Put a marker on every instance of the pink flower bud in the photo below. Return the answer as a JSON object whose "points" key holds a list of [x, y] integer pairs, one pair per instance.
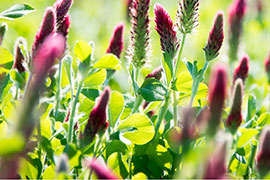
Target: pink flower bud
{"points": [[263, 157], [216, 167], [234, 119], [18, 56], [63, 27], [51, 49], [236, 13], [61, 8], [116, 41], [216, 97], [165, 29], [215, 38], [46, 29], [267, 67], [155, 74], [102, 172], [97, 118], [242, 70]]}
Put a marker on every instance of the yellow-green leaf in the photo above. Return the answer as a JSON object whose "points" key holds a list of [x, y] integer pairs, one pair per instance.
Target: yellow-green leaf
{"points": [[116, 106], [82, 50], [137, 128], [6, 58], [108, 61], [95, 79]]}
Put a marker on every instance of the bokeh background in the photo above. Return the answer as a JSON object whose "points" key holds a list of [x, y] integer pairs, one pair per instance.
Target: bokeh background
{"points": [[94, 20]]}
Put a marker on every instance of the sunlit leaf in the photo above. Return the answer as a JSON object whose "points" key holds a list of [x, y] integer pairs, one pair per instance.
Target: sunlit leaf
{"points": [[108, 61]]}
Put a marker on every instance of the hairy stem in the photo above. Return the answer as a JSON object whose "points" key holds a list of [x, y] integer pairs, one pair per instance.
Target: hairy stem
{"points": [[58, 92], [196, 83]]}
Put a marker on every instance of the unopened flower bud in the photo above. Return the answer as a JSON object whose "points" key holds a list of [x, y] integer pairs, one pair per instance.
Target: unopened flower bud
{"points": [[216, 97], [61, 8], [216, 167], [19, 58], [102, 172], [47, 28], [267, 67], [234, 119], [236, 13], [165, 29], [215, 38], [97, 118], [157, 73], [263, 157], [116, 41], [242, 70]]}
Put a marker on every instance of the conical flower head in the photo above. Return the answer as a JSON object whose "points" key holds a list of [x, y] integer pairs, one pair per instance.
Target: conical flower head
{"points": [[19, 58], [52, 48], [63, 27], [267, 67], [165, 29], [216, 167], [242, 70], [234, 119], [236, 13], [102, 172], [215, 38], [216, 97], [97, 119], [157, 73], [187, 15], [263, 157], [61, 8], [116, 41], [3, 28], [139, 49], [47, 28]]}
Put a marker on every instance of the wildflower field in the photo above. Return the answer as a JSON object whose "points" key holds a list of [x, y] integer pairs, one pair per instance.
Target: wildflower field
{"points": [[134, 89]]}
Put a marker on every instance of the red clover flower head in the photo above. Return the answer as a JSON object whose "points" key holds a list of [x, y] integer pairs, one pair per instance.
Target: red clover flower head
{"points": [[155, 74], [187, 15], [263, 157], [47, 28], [97, 118], [216, 97], [19, 58], [235, 117], [236, 14], [216, 167], [165, 29], [61, 8], [215, 38], [242, 70], [139, 49], [116, 41], [102, 172]]}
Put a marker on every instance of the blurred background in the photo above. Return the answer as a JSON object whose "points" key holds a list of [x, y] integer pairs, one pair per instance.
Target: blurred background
{"points": [[94, 20]]}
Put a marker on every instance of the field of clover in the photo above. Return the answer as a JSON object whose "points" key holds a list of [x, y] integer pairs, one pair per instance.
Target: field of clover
{"points": [[134, 89]]}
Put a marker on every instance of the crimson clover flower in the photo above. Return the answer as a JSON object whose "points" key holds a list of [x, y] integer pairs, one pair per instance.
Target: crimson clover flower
{"points": [[235, 117], [242, 70], [116, 41], [216, 97], [139, 49], [187, 15], [19, 58], [215, 38], [165, 29], [263, 156]]}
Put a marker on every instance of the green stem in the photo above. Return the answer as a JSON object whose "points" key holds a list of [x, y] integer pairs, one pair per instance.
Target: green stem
{"points": [[162, 114], [129, 162], [196, 83], [138, 102], [95, 152], [58, 92], [174, 78], [179, 56], [70, 129]]}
